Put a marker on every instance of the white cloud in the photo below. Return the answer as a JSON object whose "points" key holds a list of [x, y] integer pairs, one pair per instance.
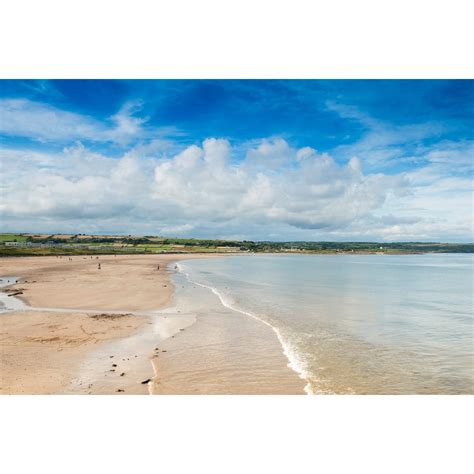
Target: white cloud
{"points": [[199, 188], [383, 144], [22, 117], [44, 122], [127, 125]]}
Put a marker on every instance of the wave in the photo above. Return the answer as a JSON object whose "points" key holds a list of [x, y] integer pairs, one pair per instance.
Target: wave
{"points": [[294, 362]]}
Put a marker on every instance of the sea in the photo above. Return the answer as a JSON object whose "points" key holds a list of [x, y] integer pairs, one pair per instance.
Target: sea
{"points": [[355, 324]]}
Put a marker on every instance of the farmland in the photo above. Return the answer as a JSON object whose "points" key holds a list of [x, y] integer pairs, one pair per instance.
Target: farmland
{"points": [[82, 244]]}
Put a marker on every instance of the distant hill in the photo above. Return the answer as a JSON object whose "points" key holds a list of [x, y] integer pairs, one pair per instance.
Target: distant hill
{"points": [[81, 244]]}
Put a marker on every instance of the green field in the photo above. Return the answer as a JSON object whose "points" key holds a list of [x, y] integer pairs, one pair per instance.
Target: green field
{"points": [[12, 238], [99, 244]]}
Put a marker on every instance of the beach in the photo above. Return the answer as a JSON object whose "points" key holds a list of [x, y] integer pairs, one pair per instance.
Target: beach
{"points": [[243, 324], [120, 330]]}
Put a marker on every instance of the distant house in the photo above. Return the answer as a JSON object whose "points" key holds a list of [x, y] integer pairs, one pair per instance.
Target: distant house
{"points": [[12, 244]]}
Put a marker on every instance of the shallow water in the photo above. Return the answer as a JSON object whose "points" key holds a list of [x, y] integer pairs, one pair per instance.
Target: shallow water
{"points": [[10, 303], [224, 352], [358, 323]]}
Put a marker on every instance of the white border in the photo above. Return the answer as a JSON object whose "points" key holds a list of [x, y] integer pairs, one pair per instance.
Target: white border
{"points": [[237, 39], [236, 434]]}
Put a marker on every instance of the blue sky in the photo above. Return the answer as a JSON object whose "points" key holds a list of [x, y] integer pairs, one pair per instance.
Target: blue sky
{"points": [[255, 159]]}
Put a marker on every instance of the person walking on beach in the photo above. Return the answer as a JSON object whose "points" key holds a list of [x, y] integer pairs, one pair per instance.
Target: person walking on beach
{"points": [[98, 266], [157, 267]]}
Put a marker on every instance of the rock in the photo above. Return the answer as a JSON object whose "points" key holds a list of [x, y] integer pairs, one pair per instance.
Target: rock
{"points": [[122, 374], [114, 365], [109, 316], [120, 390], [146, 381]]}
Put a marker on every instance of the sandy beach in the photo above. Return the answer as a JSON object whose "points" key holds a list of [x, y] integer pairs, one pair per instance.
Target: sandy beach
{"points": [[118, 330], [41, 352]]}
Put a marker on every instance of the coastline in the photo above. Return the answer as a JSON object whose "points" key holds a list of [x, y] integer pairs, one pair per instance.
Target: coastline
{"points": [[225, 352], [132, 341], [73, 311]]}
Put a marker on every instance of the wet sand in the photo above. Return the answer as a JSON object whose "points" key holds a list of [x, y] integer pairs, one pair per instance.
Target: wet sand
{"points": [[224, 352]]}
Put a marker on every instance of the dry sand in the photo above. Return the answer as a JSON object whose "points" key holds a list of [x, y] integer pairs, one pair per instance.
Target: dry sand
{"points": [[41, 351], [130, 283]]}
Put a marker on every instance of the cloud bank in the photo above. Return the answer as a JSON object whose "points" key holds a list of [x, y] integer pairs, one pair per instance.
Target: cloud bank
{"points": [[276, 191]]}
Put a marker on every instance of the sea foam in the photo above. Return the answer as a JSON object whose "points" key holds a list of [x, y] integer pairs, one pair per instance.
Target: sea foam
{"points": [[294, 361]]}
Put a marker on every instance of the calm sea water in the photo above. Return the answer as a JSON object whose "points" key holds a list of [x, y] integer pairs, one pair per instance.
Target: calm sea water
{"points": [[359, 323]]}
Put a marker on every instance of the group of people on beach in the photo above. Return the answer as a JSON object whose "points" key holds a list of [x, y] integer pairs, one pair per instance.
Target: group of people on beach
{"points": [[98, 265]]}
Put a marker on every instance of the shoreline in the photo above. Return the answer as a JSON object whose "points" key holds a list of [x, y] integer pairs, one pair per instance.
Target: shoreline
{"points": [[226, 351], [59, 293], [57, 333], [293, 362]]}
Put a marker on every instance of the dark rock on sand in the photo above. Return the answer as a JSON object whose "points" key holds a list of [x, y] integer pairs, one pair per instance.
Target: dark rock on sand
{"points": [[16, 293], [109, 316]]}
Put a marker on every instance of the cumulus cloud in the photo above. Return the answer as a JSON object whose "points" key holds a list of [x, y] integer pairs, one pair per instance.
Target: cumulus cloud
{"points": [[199, 188]]}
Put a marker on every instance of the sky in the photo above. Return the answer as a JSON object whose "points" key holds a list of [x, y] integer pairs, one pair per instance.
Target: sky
{"points": [[339, 160]]}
